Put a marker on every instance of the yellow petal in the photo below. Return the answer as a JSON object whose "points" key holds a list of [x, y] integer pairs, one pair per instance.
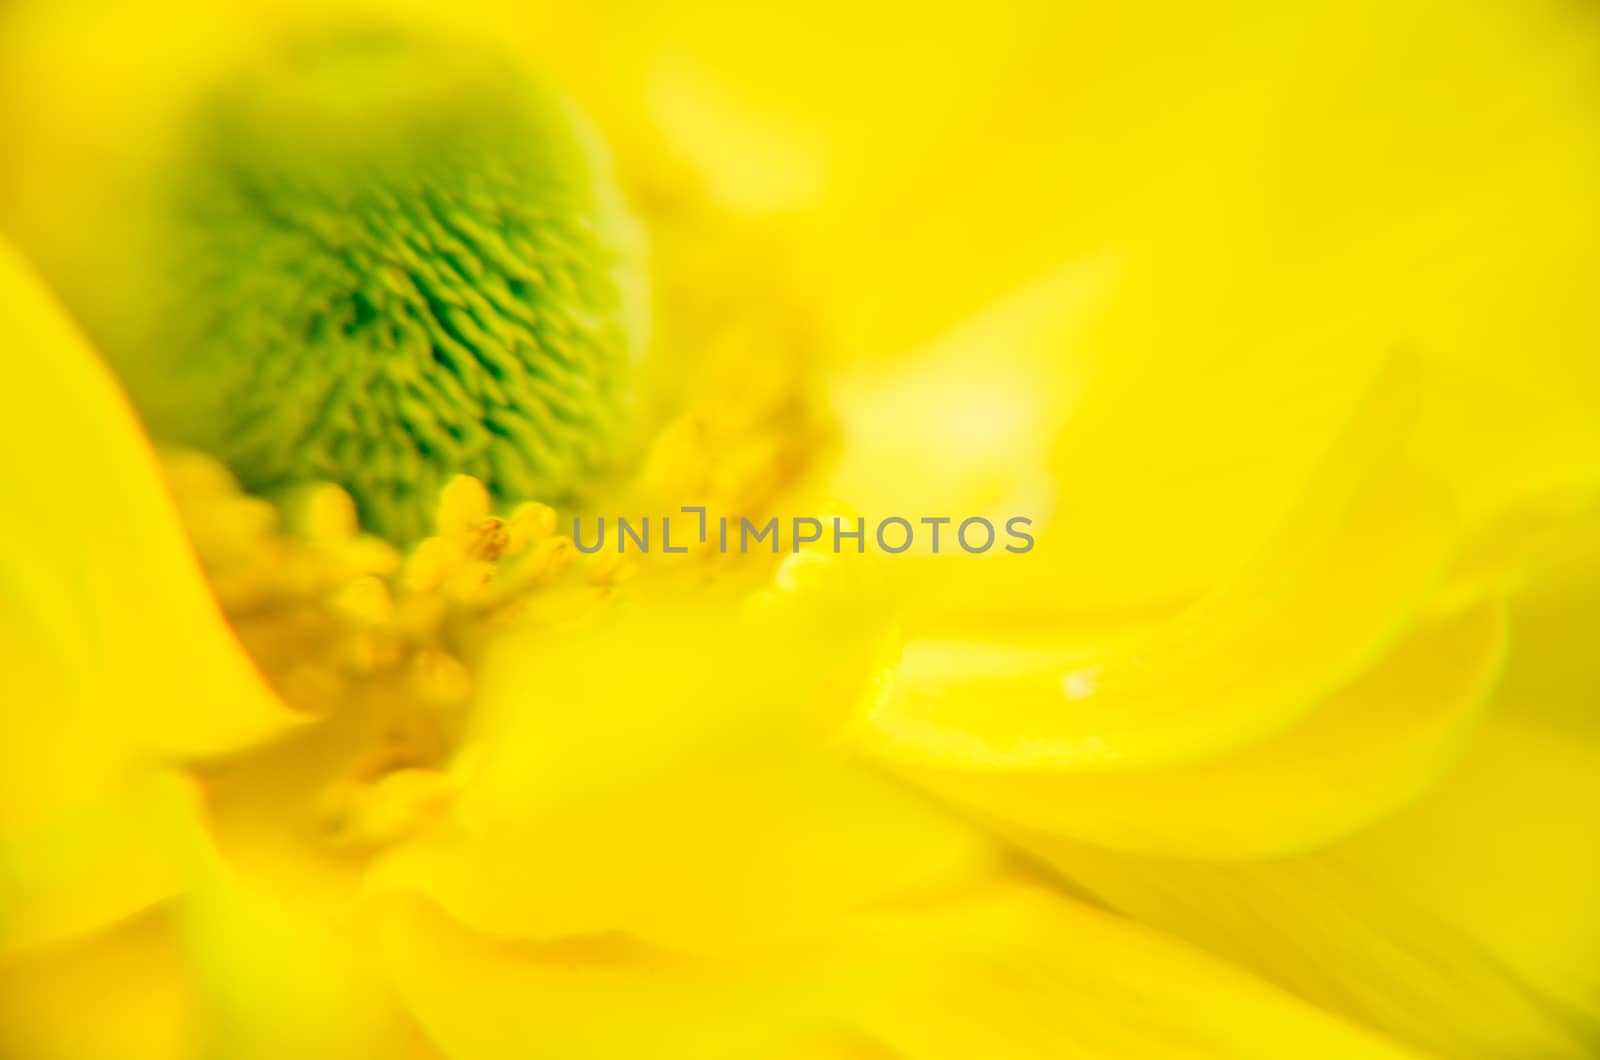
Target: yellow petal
{"points": [[1523, 456], [622, 784], [1002, 970], [1553, 666], [273, 981], [115, 656], [1019, 971], [966, 425], [595, 997], [113, 851], [123, 994], [224, 969], [1371, 747], [1344, 571], [1465, 925], [94, 543]]}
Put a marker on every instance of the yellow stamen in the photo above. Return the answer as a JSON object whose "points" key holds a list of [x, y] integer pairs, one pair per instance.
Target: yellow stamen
{"points": [[462, 506]]}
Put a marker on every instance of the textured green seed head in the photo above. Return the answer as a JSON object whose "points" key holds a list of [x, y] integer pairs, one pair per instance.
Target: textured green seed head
{"points": [[398, 262]]}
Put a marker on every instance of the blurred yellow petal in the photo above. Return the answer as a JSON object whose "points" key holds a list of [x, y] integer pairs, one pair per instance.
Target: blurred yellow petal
{"points": [[1371, 747], [93, 542], [622, 785], [124, 994], [1554, 665], [596, 997], [1346, 568], [116, 658], [1523, 458], [273, 982], [80, 866], [1019, 971], [965, 427], [1001, 970], [221, 968], [1465, 925]]}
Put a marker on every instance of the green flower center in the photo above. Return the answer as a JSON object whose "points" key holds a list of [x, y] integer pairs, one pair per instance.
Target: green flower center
{"points": [[399, 262]]}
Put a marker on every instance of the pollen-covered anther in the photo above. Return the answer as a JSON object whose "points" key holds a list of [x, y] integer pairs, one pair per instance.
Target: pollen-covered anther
{"points": [[463, 506], [330, 612], [429, 563], [529, 523], [490, 540]]}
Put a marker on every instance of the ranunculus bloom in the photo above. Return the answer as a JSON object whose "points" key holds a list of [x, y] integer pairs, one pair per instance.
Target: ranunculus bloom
{"points": [[323, 737]]}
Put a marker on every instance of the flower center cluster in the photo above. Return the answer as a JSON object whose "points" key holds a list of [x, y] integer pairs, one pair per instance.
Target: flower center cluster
{"points": [[397, 263], [409, 337]]}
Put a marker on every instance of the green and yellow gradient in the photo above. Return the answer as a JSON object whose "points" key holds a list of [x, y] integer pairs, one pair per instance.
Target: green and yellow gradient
{"points": [[320, 738]]}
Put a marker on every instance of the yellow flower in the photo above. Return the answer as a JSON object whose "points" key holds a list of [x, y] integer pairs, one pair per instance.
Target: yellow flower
{"points": [[324, 737]]}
